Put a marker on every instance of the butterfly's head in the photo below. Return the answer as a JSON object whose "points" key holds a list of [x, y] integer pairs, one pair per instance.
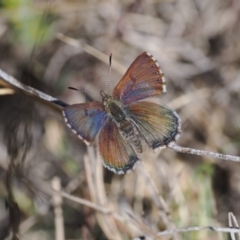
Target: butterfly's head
{"points": [[105, 98]]}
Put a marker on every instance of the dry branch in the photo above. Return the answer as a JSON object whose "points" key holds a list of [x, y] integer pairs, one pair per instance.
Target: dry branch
{"points": [[11, 83], [193, 151]]}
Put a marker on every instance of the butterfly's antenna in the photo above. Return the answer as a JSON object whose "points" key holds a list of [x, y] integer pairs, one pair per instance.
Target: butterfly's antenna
{"points": [[110, 70], [84, 91]]}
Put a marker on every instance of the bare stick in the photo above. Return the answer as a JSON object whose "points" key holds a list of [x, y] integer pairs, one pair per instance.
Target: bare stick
{"points": [[12, 83], [144, 227], [232, 222], [57, 203], [193, 151], [86, 203], [198, 228]]}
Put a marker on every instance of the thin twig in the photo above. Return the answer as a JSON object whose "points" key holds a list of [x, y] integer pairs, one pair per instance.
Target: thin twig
{"points": [[27, 224], [57, 203], [232, 222], [12, 83], [193, 151], [95, 206], [145, 228], [86, 203], [197, 228], [97, 191]]}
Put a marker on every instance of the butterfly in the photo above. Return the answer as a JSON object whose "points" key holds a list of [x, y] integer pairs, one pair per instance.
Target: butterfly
{"points": [[122, 121]]}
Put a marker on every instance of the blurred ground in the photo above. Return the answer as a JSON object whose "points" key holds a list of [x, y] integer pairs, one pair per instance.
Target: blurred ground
{"points": [[196, 43]]}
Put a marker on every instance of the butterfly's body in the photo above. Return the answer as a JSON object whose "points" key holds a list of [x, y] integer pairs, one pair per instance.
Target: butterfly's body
{"points": [[117, 113], [122, 120]]}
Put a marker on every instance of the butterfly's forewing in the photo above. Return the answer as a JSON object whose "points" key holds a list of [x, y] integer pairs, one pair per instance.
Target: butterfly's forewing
{"points": [[85, 119], [157, 124], [143, 79], [118, 156]]}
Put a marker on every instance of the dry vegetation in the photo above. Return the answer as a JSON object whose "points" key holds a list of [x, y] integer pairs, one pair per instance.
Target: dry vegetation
{"points": [[196, 43]]}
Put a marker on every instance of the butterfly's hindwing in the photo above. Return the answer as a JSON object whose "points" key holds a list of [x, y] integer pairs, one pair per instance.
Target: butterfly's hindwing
{"points": [[117, 154], [157, 124]]}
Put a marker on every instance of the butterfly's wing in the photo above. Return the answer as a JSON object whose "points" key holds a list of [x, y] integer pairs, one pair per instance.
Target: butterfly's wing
{"points": [[157, 124], [85, 119], [143, 79], [117, 155]]}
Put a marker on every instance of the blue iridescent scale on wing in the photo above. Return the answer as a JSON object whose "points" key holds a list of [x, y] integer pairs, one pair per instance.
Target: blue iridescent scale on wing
{"points": [[85, 119]]}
